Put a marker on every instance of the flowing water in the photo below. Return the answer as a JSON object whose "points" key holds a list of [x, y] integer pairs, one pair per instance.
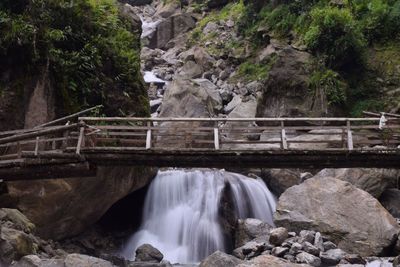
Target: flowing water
{"points": [[181, 213]]}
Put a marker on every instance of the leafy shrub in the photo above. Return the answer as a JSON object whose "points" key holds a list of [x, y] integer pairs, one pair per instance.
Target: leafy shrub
{"points": [[330, 84], [89, 48], [334, 33]]}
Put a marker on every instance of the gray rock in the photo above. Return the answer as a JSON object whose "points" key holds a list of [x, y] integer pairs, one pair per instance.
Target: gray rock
{"points": [[329, 245], [28, 261], [137, 2], [310, 248], [279, 251], [249, 250], [223, 75], [307, 258], [220, 259], [249, 229], [332, 256], [269, 260], [236, 100], [18, 220], [341, 215], [307, 236], [148, 253], [210, 27], [15, 244], [278, 235], [73, 260], [202, 57], [191, 70], [190, 98], [295, 248], [354, 259], [390, 199], [374, 181], [318, 241]]}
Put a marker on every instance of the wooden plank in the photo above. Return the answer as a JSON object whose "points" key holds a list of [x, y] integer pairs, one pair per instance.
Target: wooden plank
{"points": [[80, 140], [284, 145], [37, 145], [148, 137], [349, 137], [216, 138]]}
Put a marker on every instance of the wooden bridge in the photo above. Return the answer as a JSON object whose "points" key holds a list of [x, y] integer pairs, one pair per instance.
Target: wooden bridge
{"points": [[76, 149]]}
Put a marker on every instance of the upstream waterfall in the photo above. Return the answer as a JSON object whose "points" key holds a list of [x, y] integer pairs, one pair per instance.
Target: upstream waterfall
{"points": [[181, 212]]}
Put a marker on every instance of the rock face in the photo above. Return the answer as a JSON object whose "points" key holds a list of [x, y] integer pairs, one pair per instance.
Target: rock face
{"points": [[170, 28], [62, 208], [374, 181], [283, 97], [339, 210], [390, 199]]}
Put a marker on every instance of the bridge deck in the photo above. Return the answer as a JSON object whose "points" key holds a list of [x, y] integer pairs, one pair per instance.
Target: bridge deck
{"points": [[76, 149]]}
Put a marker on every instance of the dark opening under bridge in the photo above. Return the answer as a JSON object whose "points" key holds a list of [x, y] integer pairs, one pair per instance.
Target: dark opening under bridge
{"points": [[75, 150]]}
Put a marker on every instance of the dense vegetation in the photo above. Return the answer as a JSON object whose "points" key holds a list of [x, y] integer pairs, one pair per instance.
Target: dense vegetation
{"points": [[90, 51], [341, 34]]}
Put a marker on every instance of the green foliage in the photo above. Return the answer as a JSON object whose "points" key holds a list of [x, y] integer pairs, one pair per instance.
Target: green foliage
{"points": [[89, 48], [334, 34], [373, 105], [330, 84], [280, 19]]}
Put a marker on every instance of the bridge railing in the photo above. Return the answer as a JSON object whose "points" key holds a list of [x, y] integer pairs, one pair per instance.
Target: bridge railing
{"points": [[119, 135], [238, 134]]}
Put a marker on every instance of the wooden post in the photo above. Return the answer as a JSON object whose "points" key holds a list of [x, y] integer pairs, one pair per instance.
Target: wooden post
{"points": [[19, 149], [148, 136], [284, 145], [349, 136], [80, 140], [216, 138], [37, 146]]}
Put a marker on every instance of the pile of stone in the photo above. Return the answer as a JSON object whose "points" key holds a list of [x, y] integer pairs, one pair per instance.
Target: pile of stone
{"points": [[308, 247]]}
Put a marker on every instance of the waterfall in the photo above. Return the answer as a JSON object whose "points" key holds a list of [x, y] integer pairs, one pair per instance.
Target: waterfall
{"points": [[181, 212]]}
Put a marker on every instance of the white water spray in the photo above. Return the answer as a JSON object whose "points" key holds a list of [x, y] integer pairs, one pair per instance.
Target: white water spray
{"points": [[181, 212]]}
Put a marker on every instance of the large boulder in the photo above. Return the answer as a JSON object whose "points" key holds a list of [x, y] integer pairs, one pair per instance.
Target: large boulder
{"points": [[283, 97], [349, 216], [191, 98], [220, 259], [73, 260], [65, 207], [390, 199], [374, 181]]}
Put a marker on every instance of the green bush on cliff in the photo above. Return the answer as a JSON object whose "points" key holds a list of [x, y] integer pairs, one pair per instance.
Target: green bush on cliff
{"points": [[329, 83], [89, 49]]}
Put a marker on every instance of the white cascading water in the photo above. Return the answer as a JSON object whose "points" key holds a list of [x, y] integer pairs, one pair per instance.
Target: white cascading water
{"points": [[181, 212]]}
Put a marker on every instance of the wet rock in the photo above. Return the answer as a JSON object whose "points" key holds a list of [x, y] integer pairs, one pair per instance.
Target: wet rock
{"points": [[148, 253], [341, 215], [390, 199], [332, 256], [307, 258], [374, 181], [278, 180], [278, 235], [249, 229], [279, 251], [220, 259]]}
